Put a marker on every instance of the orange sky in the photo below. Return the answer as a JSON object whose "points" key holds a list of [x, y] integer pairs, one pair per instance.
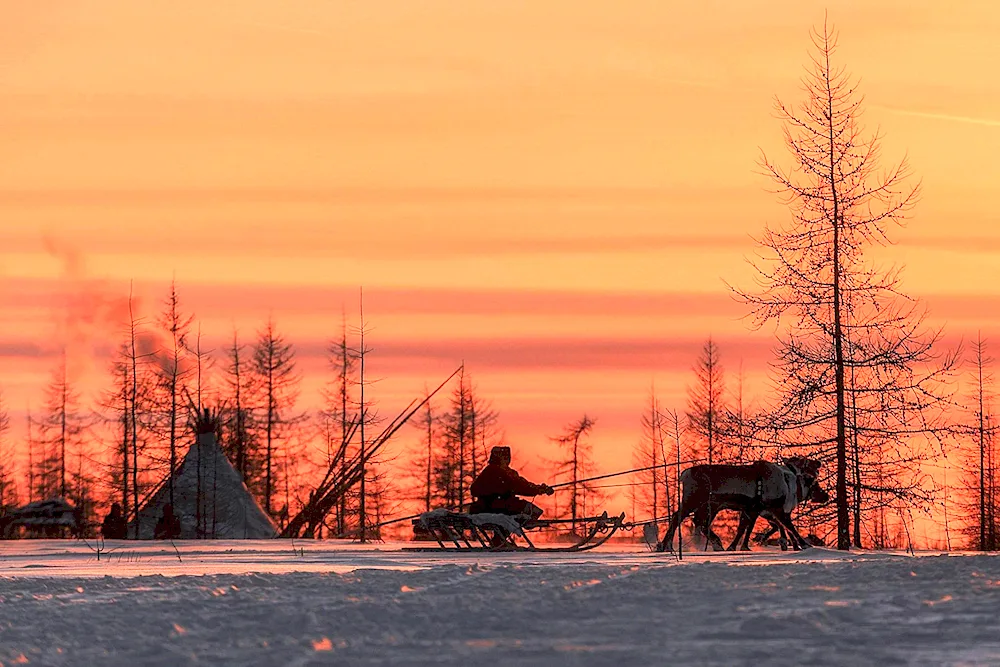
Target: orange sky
{"points": [[553, 192]]}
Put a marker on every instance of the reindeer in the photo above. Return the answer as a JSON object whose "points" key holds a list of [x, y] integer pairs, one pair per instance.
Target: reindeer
{"points": [[803, 484], [753, 489]]}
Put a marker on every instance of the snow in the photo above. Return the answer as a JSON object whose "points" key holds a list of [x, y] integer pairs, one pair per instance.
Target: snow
{"points": [[276, 602]]}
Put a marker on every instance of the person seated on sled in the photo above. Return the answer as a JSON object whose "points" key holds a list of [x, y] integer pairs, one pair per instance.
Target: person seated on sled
{"points": [[498, 486]]}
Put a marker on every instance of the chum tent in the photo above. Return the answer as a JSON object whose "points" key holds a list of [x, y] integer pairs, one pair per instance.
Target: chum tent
{"points": [[210, 499]]}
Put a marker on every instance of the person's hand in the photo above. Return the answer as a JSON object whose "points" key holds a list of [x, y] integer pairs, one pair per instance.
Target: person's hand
{"points": [[548, 490]]}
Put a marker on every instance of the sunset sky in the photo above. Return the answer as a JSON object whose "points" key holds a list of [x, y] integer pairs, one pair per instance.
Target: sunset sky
{"points": [[552, 192]]}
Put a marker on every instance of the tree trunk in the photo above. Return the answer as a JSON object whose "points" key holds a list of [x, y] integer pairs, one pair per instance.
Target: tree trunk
{"points": [[982, 457], [362, 527], [843, 516], [125, 435]]}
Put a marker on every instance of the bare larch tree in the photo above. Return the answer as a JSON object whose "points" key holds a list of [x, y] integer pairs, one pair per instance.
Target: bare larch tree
{"points": [[240, 442], [114, 409], [467, 430], [276, 376], [423, 458], [707, 404], [173, 373], [739, 424], [62, 431], [577, 464], [337, 418], [853, 352], [8, 489], [368, 419], [980, 497], [652, 491]]}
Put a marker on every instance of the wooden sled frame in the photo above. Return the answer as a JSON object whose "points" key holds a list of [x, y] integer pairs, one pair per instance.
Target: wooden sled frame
{"points": [[458, 531]]}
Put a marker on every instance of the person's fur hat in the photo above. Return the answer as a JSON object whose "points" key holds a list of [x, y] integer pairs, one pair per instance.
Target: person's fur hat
{"points": [[500, 455]]}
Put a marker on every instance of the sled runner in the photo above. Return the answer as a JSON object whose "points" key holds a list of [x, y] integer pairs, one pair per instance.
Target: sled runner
{"points": [[458, 531]]}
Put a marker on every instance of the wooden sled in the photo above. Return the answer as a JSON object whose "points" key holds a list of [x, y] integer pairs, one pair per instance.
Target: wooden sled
{"points": [[459, 531]]}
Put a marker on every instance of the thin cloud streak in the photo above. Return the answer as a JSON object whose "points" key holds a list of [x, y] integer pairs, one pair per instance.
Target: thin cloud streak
{"points": [[971, 120], [412, 246], [26, 349], [504, 355], [494, 355], [230, 299], [347, 195], [971, 244]]}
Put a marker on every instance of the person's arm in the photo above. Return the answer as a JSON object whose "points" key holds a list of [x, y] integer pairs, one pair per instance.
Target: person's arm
{"points": [[523, 487]]}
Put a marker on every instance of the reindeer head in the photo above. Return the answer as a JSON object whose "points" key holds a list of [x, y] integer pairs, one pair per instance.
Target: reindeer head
{"points": [[807, 472]]}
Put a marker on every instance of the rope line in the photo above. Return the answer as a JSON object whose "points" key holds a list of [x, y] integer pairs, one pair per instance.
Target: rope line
{"points": [[672, 464]]}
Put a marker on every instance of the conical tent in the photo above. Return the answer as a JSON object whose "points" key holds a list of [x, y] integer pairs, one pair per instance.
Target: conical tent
{"points": [[210, 499]]}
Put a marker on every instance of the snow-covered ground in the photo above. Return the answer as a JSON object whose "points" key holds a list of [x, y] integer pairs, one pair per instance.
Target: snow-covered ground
{"points": [[278, 603]]}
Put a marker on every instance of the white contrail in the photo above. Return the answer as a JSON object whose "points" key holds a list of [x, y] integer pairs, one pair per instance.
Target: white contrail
{"points": [[989, 122]]}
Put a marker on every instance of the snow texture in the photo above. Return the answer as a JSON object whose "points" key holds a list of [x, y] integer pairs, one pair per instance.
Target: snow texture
{"points": [[312, 603], [227, 511]]}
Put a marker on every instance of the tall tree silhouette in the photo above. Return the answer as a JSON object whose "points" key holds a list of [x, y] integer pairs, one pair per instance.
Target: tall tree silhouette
{"points": [[981, 499], [62, 432], [840, 311], [455, 466], [8, 489], [278, 380], [422, 463], [337, 418], [32, 457], [652, 490], [114, 408], [706, 403], [240, 441], [173, 373], [576, 465], [367, 417], [739, 424], [467, 431], [141, 385]]}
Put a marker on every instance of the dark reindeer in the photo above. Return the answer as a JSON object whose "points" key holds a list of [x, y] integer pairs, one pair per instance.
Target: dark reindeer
{"points": [[803, 485], [754, 489]]}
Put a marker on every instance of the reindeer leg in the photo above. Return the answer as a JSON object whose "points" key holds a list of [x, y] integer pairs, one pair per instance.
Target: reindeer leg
{"points": [[704, 516], [797, 542], [711, 535], [703, 524], [740, 529], [700, 523], [751, 524], [775, 527], [676, 519], [772, 529], [666, 544], [748, 518]]}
